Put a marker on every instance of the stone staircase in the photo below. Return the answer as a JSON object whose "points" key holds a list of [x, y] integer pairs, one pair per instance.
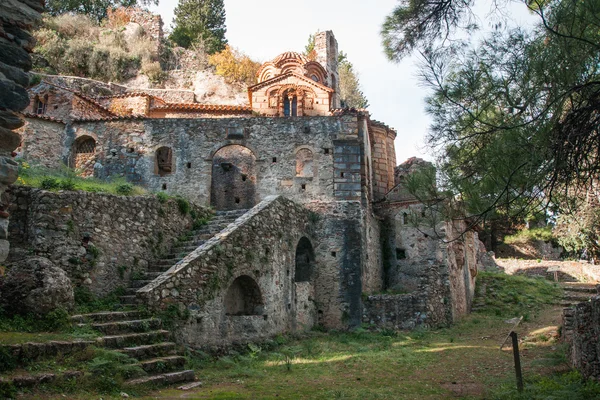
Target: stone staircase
{"points": [[142, 339], [577, 292], [195, 239]]}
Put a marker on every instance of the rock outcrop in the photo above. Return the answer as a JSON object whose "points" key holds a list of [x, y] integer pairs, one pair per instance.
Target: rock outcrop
{"points": [[16, 43], [35, 286]]}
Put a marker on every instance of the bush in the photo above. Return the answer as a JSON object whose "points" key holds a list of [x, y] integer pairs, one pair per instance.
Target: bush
{"points": [[162, 197], [153, 71], [49, 184], [183, 205], [234, 66], [124, 189]]}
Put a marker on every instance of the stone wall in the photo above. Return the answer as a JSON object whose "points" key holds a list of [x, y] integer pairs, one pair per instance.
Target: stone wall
{"points": [[581, 330], [432, 270], [43, 142], [16, 18], [98, 239], [241, 285]]}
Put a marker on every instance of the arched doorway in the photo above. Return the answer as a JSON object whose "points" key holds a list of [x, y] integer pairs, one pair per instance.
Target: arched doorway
{"points": [[233, 185], [243, 297], [83, 155], [304, 308], [305, 259]]}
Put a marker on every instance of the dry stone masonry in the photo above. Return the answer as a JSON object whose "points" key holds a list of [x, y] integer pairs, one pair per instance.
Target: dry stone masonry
{"points": [[326, 230]]}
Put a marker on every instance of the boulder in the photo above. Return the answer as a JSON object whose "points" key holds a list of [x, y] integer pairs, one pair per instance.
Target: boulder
{"points": [[13, 54], [14, 74], [9, 140], [9, 170], [12, 96], [10, 120], [35, 286]]}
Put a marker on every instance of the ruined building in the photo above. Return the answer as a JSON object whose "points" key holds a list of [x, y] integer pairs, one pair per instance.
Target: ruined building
{"points": [[320, 233]]}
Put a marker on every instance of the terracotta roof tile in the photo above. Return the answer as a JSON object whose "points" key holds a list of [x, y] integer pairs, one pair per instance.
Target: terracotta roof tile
{"points": [[42, 116], [200, 107]]}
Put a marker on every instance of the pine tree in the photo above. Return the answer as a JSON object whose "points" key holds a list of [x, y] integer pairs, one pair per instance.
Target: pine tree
{"points": [[200, 22], [351, 94]]}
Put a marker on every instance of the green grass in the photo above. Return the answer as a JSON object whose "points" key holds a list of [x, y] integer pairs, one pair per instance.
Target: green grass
{"points": [[528, 235], [67, 179], [514, 296]]}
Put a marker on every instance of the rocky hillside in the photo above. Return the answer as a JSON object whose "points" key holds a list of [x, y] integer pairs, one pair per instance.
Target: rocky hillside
{"points": [[130, 49]]}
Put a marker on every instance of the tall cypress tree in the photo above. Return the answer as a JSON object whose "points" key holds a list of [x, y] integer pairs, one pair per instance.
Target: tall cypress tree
{"points": [[200, 21]]}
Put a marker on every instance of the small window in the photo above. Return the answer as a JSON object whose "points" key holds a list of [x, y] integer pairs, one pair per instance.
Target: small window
{"points": [[404, 219], [164, 161], [400, 254], [39, 105], [315, 78]]}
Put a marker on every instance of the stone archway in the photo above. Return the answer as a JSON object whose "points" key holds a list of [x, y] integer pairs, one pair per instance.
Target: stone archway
{"points": [[233, 182], [243, 297]]}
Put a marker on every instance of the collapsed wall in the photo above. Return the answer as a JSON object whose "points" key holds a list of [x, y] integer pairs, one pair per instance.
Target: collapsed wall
{"points": [[100, 240]]}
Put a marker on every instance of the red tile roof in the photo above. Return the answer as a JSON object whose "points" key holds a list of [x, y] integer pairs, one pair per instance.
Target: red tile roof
{"points": [[200, 107], [83, 97], [42, 116], [277, 78]]}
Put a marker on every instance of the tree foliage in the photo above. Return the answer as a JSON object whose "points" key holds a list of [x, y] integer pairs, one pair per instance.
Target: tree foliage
{"points": [[235, 66], [95, 9], [515, 116], [200, 21], [351, 94]]}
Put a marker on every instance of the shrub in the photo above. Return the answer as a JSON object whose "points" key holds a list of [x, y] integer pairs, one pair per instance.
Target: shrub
{"points": [[49, 184], [183, 205], [162, 197], [124, 189], [153, 71], [234, 66], [527, 235]]}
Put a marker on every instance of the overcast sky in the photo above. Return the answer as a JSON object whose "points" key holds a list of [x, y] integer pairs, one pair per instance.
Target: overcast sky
{"points": [[266, 28]]}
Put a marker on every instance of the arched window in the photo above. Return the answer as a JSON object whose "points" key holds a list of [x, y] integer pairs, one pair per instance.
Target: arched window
{"points": [[39, 105], [305, 259], [164, 161], [304, 163], [243, 297], [290, 104]]}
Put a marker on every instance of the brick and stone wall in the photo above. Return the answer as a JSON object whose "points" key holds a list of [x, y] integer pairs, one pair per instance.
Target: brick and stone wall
{"points": [[259, 250], [127, 232], [43, 142], [581, 330]]}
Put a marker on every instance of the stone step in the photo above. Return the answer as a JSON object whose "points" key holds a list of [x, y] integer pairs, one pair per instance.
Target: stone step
{"points": [[128, 300], [133, 339], [106, 316], [139, 283], [164, 379], [189, 243], [231, 212], [185, 249], [581, 289], [576, 297], [131, 326], [163, 364], [147, 351], [130, 291]]}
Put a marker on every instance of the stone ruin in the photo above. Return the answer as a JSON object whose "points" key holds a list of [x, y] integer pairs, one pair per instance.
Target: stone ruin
{"points": [[317, 233]]}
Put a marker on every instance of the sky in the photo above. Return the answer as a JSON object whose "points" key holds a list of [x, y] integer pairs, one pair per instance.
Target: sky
{"points": [[266, 28]]}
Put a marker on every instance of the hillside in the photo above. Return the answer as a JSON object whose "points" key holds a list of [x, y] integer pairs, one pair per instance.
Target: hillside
{"points": [[131, 50]]}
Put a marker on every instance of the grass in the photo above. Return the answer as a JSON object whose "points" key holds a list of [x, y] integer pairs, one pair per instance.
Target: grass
{"points": [[529, 235], [67, 179], [462, 361], [513, 296]]}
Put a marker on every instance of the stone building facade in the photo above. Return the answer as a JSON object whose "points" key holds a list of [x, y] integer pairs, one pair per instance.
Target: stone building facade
{"points": [[324, 234]]}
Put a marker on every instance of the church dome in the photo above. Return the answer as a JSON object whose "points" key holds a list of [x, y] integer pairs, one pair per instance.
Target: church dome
{"points": [[290, 56]]}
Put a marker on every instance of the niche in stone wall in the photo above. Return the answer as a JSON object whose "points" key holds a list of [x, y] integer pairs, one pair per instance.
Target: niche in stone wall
{"points": [[83, 155], [233, 182], [304, 163], [243, 297], [164, 161], [305, 259]]}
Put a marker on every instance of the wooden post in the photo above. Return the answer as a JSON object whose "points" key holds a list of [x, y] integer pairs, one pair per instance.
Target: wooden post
{"points": [[515, 345]]}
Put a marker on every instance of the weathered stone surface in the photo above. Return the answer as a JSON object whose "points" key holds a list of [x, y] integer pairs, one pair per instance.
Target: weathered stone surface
{"points": [[12, 96], [21, 13], [4, 248], [14, 74], [126, 232], [21, 37], [14, 55], [35, 286], [9, 170], [10, 120], [9, 140], [581, 330]]}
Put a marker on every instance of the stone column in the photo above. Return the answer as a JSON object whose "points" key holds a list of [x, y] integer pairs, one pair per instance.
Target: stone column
{"points": [[16, 18]]}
